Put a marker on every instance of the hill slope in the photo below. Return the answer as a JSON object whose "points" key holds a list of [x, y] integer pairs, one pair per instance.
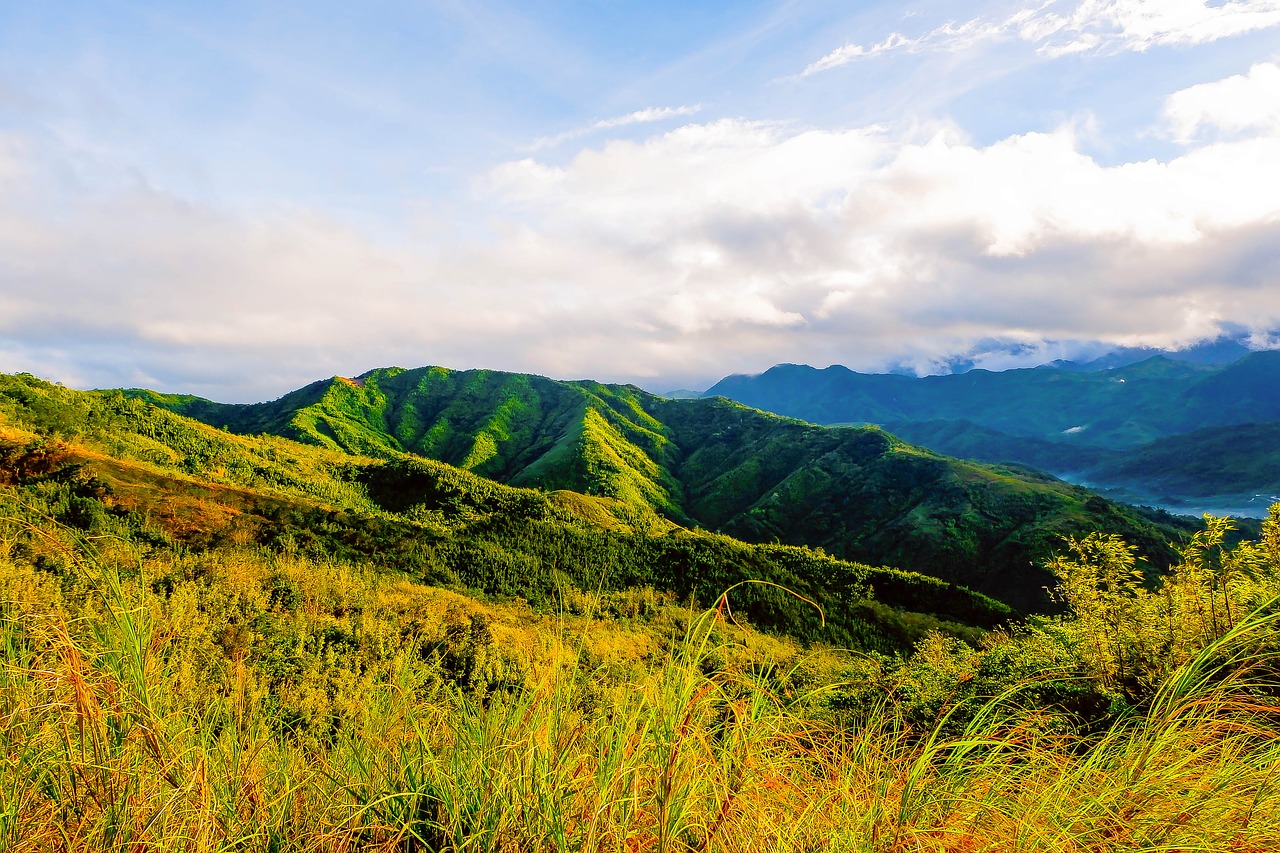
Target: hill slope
{"points": [[858, 493], [116, 467], [1116, 428]]}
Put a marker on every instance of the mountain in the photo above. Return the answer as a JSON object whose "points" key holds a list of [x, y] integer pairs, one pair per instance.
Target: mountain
{"points": [[1079, 424], [267, 645], [1219, 351], [1242, 459], [1114, 408], [110, 467], [964, 439], [858, 493]]}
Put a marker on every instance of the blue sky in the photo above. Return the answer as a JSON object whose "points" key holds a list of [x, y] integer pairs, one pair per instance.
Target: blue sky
{"points": [[235, 198]]}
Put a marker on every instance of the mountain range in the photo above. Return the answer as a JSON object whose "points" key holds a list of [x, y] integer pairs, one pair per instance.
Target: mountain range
{"points": [[858, 493], [1160, 430]]}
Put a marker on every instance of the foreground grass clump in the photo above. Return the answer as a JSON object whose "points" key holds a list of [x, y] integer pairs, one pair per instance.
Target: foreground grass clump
{"points": [[250, 701]]}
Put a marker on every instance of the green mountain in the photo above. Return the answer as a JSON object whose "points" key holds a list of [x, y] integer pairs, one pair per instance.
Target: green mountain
{"points": [[1243, 459], [1115, 408], [218, 641], [1159, 430], [858, 493], [966, 440], [117, 467]]}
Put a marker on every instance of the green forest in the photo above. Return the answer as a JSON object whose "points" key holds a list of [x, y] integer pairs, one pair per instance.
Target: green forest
{"points": [[441, 611]]}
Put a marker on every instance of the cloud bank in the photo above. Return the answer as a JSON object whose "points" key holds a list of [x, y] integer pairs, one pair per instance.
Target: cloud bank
{"points": [[716, 247]]}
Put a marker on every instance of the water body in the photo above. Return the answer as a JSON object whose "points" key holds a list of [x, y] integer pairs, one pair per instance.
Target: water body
{"points": [[1240, 506]]}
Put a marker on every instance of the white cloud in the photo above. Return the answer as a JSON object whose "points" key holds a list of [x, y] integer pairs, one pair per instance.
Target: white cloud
{"points": [[1240, 103], [1141, 24], [849, 245], [1100, 26], [645, 116], [710, 249], [948, 37]]}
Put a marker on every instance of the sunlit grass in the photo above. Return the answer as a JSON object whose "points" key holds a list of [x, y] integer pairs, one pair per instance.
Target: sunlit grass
{"points": [[107, 745]]}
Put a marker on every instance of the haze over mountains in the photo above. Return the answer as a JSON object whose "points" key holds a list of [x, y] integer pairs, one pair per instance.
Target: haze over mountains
{"points": [[1163, 430]]}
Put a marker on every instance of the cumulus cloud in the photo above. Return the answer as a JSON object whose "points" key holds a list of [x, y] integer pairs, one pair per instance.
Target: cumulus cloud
{"points": [[1101, 26], [813, 245], [1244, 102], [713, 248]]}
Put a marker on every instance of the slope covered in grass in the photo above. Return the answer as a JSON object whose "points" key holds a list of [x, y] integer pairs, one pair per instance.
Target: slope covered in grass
{"points": [[857, 493], [112, 465], [250, 699]]}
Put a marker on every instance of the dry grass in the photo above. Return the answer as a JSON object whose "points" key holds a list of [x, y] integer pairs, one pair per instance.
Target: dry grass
{"points": [[101, 750]]}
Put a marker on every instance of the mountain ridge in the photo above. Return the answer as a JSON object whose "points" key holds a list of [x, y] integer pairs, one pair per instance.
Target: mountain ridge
{"points": [[857, 492], [1074, 424]]}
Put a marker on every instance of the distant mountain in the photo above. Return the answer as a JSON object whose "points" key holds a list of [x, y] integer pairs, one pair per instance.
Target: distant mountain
{"points": [[858, 493], [1114, 408], [1082, 424], [1242, 459], [1217, 352]]}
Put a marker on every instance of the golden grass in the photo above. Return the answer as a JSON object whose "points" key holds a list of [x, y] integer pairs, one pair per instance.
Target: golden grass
{"points": [[104, 749]]}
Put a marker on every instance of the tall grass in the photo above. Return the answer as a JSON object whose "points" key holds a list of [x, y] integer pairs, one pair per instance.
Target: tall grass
{"points": [[99, 754], [107, 743]]}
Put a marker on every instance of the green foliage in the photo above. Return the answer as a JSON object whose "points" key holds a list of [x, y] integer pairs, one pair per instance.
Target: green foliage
{"points": [[242, 699], [162, 479], [203, 653], [858, 493], [1131, 635]]}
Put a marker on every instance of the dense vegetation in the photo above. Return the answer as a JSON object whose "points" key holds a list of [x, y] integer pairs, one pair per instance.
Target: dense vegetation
{"points": [[1148, 427], [215, 642], [857, 493], [246, 698], [108, 464]]}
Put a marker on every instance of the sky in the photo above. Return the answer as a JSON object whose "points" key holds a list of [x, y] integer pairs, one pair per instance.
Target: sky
{"points": [[234, 199]]}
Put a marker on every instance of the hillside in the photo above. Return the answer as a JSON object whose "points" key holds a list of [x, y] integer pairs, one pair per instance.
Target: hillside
{"points": [[1241, 459], [858, 493], [111, 465], [213, 641], [1116, 428]]}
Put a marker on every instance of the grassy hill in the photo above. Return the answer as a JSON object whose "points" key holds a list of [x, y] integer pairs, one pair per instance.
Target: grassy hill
{"points": [[215, 642], [115, 465], [857, 493]]}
